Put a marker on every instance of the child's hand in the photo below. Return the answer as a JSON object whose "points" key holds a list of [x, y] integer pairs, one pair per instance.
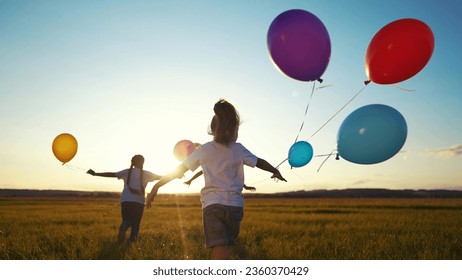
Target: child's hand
{"points": [[252, 189], [277, 175], [91, 172], [150, 197]]}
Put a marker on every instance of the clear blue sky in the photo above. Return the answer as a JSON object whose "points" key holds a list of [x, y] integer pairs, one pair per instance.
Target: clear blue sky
{"points": [[135, 77]]}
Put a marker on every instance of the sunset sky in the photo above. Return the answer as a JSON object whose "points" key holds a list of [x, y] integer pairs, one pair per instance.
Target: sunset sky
{"points": [[135, 77]]}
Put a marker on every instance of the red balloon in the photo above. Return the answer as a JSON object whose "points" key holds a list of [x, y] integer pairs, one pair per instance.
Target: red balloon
{"points": [[398, 51]]}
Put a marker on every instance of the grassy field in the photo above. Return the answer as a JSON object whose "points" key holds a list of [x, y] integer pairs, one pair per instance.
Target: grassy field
{"points": [[318, 229]]}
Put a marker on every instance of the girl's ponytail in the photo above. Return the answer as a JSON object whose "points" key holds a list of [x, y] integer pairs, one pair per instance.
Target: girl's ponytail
{"points": [[137, 161]]}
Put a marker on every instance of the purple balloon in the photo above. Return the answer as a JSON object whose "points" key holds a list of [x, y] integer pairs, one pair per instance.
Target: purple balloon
{"points": [[299, 45]]}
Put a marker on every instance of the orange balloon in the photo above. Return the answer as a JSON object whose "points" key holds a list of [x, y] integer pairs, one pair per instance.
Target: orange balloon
{"points": [[64, 147], [398, 51]]}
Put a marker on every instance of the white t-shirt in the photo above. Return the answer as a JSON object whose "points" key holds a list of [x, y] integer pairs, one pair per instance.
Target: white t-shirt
{"points": [[135, 184], [223, 169]]}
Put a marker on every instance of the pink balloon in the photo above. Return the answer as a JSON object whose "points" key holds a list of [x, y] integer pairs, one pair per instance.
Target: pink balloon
{"points": [[299, 45], [183, 149]]}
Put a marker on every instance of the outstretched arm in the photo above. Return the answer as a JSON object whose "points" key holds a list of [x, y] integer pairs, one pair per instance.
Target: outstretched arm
{"points": [[264, 165], [194, 177], [249, 188], [157, 177], [177, 173], [103, 174]]}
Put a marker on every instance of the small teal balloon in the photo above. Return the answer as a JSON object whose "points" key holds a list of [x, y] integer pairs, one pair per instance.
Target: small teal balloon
{"points": [[371, 134], [300, 153]]}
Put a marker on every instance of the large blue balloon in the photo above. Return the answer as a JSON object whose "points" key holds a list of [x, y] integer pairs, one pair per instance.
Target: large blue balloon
{"points": [[300, 153], [371, 134]]}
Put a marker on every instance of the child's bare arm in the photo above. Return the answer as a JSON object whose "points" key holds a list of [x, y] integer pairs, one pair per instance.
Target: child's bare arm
{"points": [[177, 173], [194, 177], [264, 165], [102, 174]]}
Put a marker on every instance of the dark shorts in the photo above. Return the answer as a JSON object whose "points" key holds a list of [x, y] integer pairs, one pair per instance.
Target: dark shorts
{"points": [[221, 224]]}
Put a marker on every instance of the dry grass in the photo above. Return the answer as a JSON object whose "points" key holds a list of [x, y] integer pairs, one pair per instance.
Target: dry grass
{"points": [[323, 229]]}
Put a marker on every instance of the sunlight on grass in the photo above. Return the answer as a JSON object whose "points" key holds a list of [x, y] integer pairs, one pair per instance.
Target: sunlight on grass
{"points": [[324, 229]]}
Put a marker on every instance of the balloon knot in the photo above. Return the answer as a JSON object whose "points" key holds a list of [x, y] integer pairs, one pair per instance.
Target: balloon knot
{"points": [[367, 82], [337, 157], [319, 80]]}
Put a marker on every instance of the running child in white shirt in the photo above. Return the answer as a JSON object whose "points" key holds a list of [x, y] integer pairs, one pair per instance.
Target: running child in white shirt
{"points": [[132, 199], [222, 161]]}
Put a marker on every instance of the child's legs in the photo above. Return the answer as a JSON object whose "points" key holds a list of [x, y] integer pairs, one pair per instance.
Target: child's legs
{"points": [[136, 215], [221, 228], [221, 253], [125, 209]]}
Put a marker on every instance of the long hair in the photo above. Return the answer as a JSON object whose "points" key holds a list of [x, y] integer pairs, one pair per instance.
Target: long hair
{"points": [[138, 162], [225, 123]]}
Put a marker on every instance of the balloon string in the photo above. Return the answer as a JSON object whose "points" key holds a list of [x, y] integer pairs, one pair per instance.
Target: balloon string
{"points": [[303, 122], [306, 111], [338, 111], [261, 181], [73, 167], [405, 89], [287, 158], [329, 85], [277, 166], [328, 156], [299, 177]]}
